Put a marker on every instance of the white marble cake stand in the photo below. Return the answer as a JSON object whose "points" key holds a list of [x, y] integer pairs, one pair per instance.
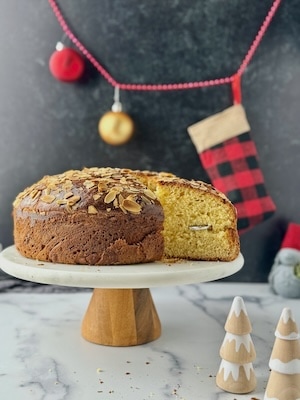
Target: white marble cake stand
{"points": [[121, 311]]}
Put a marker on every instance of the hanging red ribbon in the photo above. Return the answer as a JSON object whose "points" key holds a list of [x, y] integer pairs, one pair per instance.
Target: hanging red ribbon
{"points": [[236, 89]]}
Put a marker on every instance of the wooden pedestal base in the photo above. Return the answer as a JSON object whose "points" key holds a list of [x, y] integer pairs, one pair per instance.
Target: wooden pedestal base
{"points": [[121, 317]]}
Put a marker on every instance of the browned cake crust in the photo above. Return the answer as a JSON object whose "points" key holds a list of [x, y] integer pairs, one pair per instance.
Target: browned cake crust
{"points": [[96, 216]]}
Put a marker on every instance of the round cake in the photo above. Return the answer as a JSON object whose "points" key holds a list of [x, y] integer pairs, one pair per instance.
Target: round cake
{"points": [[96, 216], [110, 216]]}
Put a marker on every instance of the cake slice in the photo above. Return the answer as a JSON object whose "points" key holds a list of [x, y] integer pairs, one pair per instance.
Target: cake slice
{"points": [[199, 221]]}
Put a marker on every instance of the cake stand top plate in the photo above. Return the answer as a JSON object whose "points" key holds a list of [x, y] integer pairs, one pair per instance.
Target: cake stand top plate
{"points": [[135, 276]]}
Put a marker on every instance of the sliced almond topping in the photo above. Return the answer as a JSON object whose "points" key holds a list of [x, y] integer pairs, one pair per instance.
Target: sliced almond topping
{"points": [[120, 198], [116, 203], [117, 189], [102, 187], [131, 206], [69, 208], [131, 197], [73, 200], [116, 176], [68, 195], [135, 190], [52, 186], [92, 210], [48, 198], [34, 194], [145, 200], [89, 184], [61, 202], [123, 209], [149, 194], [68, 184], [96, 196], [111, 195]]}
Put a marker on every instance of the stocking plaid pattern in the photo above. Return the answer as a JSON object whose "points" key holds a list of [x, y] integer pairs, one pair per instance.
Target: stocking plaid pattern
{"points": [[230, 158]]}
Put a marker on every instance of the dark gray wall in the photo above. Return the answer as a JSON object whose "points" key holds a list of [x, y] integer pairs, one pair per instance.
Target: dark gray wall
{"points": [[47, 127]]}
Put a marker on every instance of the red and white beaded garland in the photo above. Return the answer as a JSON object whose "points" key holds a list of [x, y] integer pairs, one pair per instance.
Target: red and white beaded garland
{"points": [[115, 118]]}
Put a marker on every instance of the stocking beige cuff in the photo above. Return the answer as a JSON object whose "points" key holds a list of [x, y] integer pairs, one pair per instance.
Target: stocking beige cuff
{"points": [[219, 127]]}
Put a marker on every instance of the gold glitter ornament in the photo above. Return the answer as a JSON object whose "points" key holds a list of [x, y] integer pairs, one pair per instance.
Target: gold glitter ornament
{"points": [[116, 127]]}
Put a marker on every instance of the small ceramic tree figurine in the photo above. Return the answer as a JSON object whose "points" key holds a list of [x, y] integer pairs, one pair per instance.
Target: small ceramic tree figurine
{"points": [[236, 374], [284, 380]]}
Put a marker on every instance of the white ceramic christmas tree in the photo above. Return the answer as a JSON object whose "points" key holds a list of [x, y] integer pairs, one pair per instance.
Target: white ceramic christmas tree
{"points": [[284, 380], [236, 373]]}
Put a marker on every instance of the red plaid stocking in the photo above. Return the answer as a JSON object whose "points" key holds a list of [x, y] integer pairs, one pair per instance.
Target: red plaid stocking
{"points": [[229, 156]]}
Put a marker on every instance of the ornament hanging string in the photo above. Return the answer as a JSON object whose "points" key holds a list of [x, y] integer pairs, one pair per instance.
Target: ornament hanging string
{"points": [[167, 86]]}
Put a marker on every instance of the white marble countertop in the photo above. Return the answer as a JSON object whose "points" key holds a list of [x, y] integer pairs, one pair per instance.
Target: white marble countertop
{"points": [[44, 357]]}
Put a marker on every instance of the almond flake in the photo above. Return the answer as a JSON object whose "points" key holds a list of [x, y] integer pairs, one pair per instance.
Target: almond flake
{"points": [[68, 195], [145, 200], [102, 187], [61, 202], [135, 190], [34, 194], [120, 198], [68, 208], [89, 184], [111, 195], [149, 194], [92, 210], [116, 203], [117, 189], [73, 200], [52, 186], [123, 209], [131, 206], [48, 198]]}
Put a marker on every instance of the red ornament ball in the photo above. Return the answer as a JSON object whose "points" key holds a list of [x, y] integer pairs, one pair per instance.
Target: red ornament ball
{"points": [[66, 65]]}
